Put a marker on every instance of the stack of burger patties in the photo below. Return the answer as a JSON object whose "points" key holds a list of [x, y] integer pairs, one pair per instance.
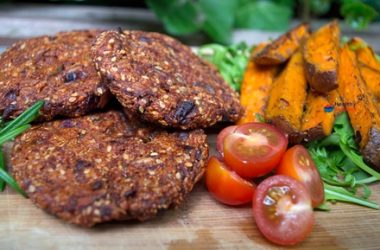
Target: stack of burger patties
{"points": [[120, 135]]}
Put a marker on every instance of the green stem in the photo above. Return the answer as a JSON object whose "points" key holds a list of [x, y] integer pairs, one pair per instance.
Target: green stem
{"points": [[11, 182], [358, 160], [367, 180], [2, 166], [335, 194], [26, 117], [13, 133]]}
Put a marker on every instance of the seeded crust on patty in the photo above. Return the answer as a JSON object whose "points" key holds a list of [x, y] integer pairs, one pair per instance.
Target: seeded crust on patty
{"points": [[58, 69], [102, 167], [163, 81]]}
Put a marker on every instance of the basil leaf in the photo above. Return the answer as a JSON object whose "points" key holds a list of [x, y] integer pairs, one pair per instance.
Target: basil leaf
{"points": [[264, 15], [219, 19], [357, 13], [178, 17]]}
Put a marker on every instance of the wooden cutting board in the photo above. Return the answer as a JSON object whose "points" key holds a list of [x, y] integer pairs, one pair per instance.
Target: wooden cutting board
{"points": [[201, 223]]}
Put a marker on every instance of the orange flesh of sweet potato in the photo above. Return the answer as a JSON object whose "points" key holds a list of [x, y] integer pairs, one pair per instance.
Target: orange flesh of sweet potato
{"points": [[336, 101], [368, 65], [321, 58], [257, 82], [281, 49], [361, 109], [317, 121], [287, 98], [372, 80], [364, 53]]}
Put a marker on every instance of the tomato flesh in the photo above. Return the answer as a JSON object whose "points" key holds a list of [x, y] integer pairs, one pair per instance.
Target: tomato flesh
{"points": [[221, 136], [282, 210], [254, 149], [297, 163], [225, 185]]}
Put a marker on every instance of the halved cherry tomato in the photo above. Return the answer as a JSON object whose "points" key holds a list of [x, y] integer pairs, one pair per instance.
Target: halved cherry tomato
{"points": [[282, 210], [221, 136], [225, 185], [297, 163], [254, 149]]}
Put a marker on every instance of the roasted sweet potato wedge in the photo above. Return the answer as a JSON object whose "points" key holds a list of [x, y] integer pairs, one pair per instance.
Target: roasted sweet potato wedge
{"points": [[255, 88], [321, 58], [364, 116], [369, 66], [281, 49], [287, 98], [372, 80], [318, 119], [364, 53]]}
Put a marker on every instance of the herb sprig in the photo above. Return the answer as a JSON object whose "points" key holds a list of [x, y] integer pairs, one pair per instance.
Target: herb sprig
{"points": [[342, 168], [8, 132]]}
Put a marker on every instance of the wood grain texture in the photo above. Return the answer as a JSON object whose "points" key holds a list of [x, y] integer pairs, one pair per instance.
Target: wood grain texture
{"points": [[200, 223]]}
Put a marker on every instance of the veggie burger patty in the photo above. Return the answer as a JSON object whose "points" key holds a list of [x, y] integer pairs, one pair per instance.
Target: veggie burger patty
{"points": [[163, 81], [103, 167], [58, 69]]}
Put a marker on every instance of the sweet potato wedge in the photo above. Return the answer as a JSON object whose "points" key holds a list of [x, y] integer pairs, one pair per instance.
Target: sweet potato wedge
{"points": [[321, 58], [369, 66], [255, 88], [318, 119], [364, 53], [287, 98], [364, 116], [281, 49], [371, 78]]}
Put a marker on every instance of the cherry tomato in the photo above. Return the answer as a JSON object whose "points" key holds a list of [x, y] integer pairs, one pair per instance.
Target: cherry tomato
{"points": [[254, 149], [297, 163], [282, 210], [225, 185], [221, 136]]}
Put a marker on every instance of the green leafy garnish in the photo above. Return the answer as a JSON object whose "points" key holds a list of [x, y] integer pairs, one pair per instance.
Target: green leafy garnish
{"points": [[357, 14], [2, 167], [231, 61], [342, 168], [259, 117], [218, 18], [8, 132], [377, 57], [264, 15], [11, 182]]}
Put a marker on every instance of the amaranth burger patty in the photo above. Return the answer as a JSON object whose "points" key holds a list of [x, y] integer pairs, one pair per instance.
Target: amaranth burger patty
{"points": [[163, 81], [102, 167], [58, 69]]}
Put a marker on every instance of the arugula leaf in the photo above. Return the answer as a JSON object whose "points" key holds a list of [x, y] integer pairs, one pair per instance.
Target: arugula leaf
{"points": [[340, 194], [264, 15], [342, 168]]}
